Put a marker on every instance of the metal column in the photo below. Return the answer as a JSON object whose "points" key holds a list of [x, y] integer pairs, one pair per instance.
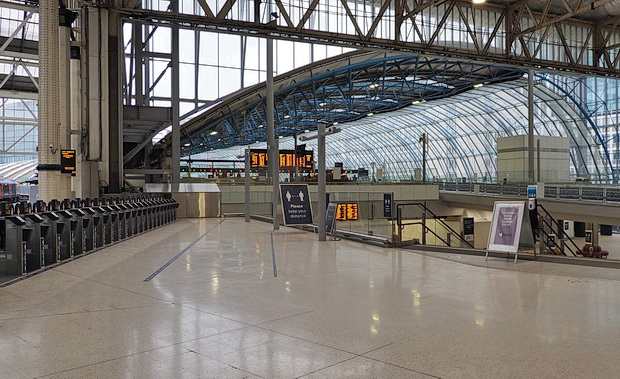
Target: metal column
{"points": [[530, 127], [49, 119], [321, 189], [247, 185], [176, 128], [274, 153]]}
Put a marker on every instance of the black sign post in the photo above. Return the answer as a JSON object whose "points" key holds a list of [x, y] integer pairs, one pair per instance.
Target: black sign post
{"points": [[330, 218], [388, 199], [296, 206]]}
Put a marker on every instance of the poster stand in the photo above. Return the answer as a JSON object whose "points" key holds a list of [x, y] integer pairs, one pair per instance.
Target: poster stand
{"points": [[330, 221], [510, 229]]}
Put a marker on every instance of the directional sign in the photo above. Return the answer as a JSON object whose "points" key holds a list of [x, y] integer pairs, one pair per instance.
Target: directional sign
{"points": [[388, 199], [296, 206]]}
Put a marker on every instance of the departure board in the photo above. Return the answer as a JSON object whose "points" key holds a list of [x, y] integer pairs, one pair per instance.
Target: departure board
{"points": [[347, 212], [288, 159], [67, 161]]}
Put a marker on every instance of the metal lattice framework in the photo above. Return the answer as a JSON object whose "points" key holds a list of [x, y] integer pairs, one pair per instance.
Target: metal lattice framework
{"points": [[569, 35], [462, 132], [338, 90]]}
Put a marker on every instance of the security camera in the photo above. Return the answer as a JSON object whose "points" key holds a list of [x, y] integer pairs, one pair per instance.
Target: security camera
{"points": [[332, 130]]}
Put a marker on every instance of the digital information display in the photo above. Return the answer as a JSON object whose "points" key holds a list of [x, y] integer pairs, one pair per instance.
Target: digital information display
{"points": [[288, 158], [67, 161], [347, 212]]}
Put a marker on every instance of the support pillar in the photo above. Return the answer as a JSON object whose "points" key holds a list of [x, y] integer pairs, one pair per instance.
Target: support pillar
{"points": [[274, 151], [115, 74], [76, 121], [64, 99], [50, 180], [247, 185], [176, 126], [530, 127], [322, 183]]}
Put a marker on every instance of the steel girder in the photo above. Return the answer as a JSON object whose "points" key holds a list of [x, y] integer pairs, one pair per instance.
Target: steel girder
{"points": [[345, 94], [559, 37]]}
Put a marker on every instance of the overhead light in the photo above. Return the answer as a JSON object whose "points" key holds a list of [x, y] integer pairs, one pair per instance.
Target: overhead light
{"points": [[281, 137], [373, 86], [322, 104], [478, 85], [478, 1], [370, 114], [260, 126], [416, 102], [307, 131], [287, 116], [186, 145], [213, 132], [257, 142], [219, 139], [335, 123]]}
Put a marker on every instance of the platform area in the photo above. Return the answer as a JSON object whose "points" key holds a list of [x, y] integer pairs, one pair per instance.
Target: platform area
{"points": [[220, 298]]}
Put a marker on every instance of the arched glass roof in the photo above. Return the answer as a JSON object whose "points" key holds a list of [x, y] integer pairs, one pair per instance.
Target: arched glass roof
{"points": [[462, 132]]}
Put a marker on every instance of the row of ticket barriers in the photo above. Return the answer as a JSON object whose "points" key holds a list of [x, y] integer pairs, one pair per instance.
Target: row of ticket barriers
{"points": [[38, 235]]}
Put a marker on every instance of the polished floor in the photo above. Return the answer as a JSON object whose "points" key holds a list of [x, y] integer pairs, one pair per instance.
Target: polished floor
{"points": [[335, 309]]}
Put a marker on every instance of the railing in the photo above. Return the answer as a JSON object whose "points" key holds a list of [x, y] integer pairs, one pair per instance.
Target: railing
{"points": [[438, 225], [550, 191], [568, 245]]}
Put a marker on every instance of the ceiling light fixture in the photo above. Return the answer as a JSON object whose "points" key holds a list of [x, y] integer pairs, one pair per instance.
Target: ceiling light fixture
{"points": [[370, 114], [478, 1], [213, 132], [478, 85], [287, 116]]}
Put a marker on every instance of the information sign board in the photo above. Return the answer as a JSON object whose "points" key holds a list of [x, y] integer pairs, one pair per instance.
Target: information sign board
{"points": [[330, 217], [296, 206], [388, 198], [506, 226], [347, 212], [468, 228], [67, 161]]}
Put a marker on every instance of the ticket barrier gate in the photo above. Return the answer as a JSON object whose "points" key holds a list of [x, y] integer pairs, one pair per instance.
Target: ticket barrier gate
{"points": [[77, 230], [107, 224], [60, 230], [66, 234], [98, 225], [123, 214], [13, 257], [116, 222], [88, 223], [35, 243], [51, 237]]}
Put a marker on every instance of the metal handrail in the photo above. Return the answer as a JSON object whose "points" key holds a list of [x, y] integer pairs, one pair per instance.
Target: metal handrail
{"points": [[435, 217], [559, 227]]}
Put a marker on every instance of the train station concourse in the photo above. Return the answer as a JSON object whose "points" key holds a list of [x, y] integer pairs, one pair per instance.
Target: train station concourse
{"points": [[309, 189]]}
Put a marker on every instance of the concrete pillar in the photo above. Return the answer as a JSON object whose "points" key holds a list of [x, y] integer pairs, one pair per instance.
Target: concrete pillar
{"points": [[76, 120], [595, 234], [115, 101], [50, 180], [64, 99], [98, 94]]}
